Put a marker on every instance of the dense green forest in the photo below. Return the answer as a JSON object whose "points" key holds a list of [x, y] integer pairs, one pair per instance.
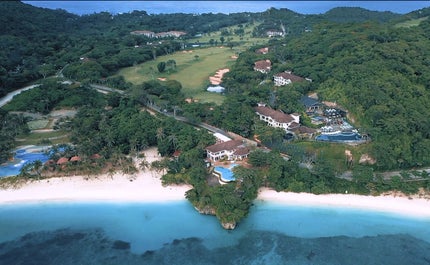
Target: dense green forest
{"points": [[38, 42], [363, 60]]}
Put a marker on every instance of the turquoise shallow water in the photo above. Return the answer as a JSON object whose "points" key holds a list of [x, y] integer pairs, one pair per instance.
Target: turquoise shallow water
{"points": [[174, 233]]}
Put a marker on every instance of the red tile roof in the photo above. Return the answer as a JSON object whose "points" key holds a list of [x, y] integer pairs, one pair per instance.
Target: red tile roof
{"points": [[263, 65], [241, 151], [75, 158], [304, 129], [292, 77], [274, 114], [62, 160], [229, 145]]}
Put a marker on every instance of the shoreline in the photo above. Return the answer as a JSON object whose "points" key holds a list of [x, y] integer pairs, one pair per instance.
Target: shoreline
{"points": [[103, 189], [390, 204], [146, 187]]}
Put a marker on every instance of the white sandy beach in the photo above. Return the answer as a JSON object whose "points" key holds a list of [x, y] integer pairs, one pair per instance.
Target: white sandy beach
{"points": [[146, 186], [415, 207]]}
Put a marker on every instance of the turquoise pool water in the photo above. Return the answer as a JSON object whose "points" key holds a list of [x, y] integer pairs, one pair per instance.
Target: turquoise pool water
{"points": [[226, 173], [21, 157], [339, 137]]}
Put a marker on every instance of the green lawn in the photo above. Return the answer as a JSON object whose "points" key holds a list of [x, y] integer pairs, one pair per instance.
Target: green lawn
{"points": [[410, 23], [38, 124], [246, 40], [53, 137], [191, 71], [334, 153]]}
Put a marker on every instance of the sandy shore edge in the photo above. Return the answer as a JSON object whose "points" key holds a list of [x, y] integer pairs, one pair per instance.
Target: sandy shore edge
{"points": [[408, 207], [146, 187]]}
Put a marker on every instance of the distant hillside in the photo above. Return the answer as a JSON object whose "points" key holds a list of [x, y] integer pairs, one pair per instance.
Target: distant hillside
{"points": [[37, 42], [295, 23], [413, 18], [27, 21], [358, 14]]}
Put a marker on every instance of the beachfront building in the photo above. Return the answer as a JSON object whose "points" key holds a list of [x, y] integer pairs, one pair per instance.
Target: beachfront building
{"points": [[263, 66], [286, 78], [230, 150], [278, 119]]}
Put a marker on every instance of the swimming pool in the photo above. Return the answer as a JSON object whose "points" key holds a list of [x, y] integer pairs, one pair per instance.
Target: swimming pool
{"points": [[225, 174], [21, 157], [339, 137]]}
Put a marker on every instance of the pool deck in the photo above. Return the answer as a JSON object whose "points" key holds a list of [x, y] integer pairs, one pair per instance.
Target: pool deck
{"points": [[227, 165]]}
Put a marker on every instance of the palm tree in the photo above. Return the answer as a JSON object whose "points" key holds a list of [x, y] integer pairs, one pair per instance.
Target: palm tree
{"points": [[160, 133], [144, 164], [31, 169], [173, 140], [111, 172]]}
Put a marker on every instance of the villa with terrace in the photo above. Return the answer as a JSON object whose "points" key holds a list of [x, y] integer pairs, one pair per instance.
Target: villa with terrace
{"points": [[263, 66], [276, 118], [230, 150], [286, 78]]}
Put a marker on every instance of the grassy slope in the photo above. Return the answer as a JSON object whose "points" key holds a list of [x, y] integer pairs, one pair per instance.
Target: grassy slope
{"points": [[194, 73], [410, 23]]}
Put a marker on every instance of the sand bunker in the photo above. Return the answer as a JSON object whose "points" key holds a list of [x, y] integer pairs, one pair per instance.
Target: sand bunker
{"points": [[217, 78]]}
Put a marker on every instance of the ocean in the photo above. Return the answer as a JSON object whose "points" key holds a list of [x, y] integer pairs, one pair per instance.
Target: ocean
{"points": [[199, 7], [174, 233]]}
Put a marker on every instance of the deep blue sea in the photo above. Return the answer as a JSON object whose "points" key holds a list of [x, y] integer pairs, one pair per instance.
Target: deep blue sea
{"points": [[199, 7], [174, 233]]}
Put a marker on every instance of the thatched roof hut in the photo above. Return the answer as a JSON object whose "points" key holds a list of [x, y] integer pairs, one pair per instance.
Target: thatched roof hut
{"points": [[62, 160], [75, 158]]}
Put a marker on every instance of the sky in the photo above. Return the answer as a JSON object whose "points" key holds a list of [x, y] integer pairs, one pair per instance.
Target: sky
{"points": [[157, 7]]}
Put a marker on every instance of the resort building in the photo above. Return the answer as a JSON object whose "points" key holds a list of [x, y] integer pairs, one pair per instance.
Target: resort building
{"points": [[167, 34], [278, 119], [230, 150], [274, 33], [146, 33], [150, 34], [304, 132], [286, 78], [263, 66], [312, 105]]}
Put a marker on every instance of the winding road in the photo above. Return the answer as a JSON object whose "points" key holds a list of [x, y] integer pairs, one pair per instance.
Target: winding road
{"points": [[346, 175], [4, 100]]}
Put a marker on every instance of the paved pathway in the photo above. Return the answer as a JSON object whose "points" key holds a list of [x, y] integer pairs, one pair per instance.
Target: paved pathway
{"points": [[4, 100]]}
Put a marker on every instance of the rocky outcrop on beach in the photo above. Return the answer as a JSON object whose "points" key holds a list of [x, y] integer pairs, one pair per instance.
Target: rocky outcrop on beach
{"points": [[208, 210], [228, 225]]}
